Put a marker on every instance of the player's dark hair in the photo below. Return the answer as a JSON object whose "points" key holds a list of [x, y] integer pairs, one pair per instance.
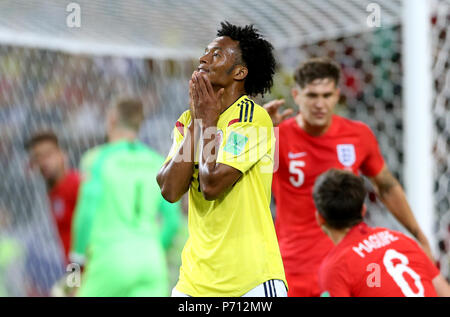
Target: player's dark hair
{"points": [[130, 112], [317, 68], [42, 136], [339, 197], [256, 55]]}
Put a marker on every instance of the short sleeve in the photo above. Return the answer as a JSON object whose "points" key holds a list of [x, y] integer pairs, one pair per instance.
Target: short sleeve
{"points": [[430, 268], [246, 143], [374, 161], [178, 134]]}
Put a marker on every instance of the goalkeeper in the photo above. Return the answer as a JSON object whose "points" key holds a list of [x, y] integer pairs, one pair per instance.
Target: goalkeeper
{"points": [[116, 233]]}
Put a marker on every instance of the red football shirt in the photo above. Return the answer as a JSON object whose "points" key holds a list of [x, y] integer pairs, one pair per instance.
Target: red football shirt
{"points": [[376, 262], [63, 198], [347, 144]]}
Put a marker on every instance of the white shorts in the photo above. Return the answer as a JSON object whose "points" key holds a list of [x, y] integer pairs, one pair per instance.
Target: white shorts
{"points": [[270, 288]]}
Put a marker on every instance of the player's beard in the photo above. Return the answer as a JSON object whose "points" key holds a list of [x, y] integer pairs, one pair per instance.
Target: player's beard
{"points": [[52, 179], [50, 182]]}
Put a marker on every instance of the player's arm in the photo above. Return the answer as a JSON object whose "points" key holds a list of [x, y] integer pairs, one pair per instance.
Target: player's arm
{"points": [[393, 196], [174, 178], [171, 221], [441, 286], [214, 178], [175, 175], [89, 195]]}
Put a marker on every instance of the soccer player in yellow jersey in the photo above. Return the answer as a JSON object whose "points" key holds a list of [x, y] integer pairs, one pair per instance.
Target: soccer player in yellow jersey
{"points": [[223, 154]]}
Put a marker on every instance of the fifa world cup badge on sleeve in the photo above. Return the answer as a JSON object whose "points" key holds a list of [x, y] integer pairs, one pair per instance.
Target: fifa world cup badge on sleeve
{"points": [[235, 143]]}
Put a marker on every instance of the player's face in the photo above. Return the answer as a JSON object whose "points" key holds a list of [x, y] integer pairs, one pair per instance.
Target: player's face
{"points": [[49, 159], [317, 101], [219, 60]]}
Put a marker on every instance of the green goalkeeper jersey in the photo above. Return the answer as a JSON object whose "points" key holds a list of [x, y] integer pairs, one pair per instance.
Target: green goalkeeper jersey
{"points": [[116, 228]]}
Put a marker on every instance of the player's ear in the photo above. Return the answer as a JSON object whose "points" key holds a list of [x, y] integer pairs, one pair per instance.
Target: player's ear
{"points": [[295, 92], [364, 210], [338, 92], [240, 72], [320, 220], [111, 118], [322, 223]]}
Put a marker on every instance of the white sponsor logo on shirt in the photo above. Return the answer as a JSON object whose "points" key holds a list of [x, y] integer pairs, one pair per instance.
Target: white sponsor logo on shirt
{"points": [[294, 156]]}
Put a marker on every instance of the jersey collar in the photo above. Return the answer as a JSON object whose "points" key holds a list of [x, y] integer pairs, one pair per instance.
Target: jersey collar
{"points": [[235, 103]]}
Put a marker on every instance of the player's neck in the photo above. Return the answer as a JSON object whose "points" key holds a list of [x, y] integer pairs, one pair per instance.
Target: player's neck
{"points": [[51, 183], [231, 95], [337, 235], [310, 129], [121, 135]]}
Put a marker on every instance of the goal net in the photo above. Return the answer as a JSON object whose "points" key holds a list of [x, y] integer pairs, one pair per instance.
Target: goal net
{"points": [[441, 124]]}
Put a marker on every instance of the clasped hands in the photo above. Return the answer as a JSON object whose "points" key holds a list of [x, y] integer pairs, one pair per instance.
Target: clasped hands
{"points": [[204, 103]]}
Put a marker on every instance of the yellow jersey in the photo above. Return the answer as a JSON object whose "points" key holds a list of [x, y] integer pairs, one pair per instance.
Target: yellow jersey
{"points": [[232, 245]]}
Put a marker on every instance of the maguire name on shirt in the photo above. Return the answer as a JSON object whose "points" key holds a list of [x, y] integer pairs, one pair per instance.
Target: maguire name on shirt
{"points": [[373, 242]]}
